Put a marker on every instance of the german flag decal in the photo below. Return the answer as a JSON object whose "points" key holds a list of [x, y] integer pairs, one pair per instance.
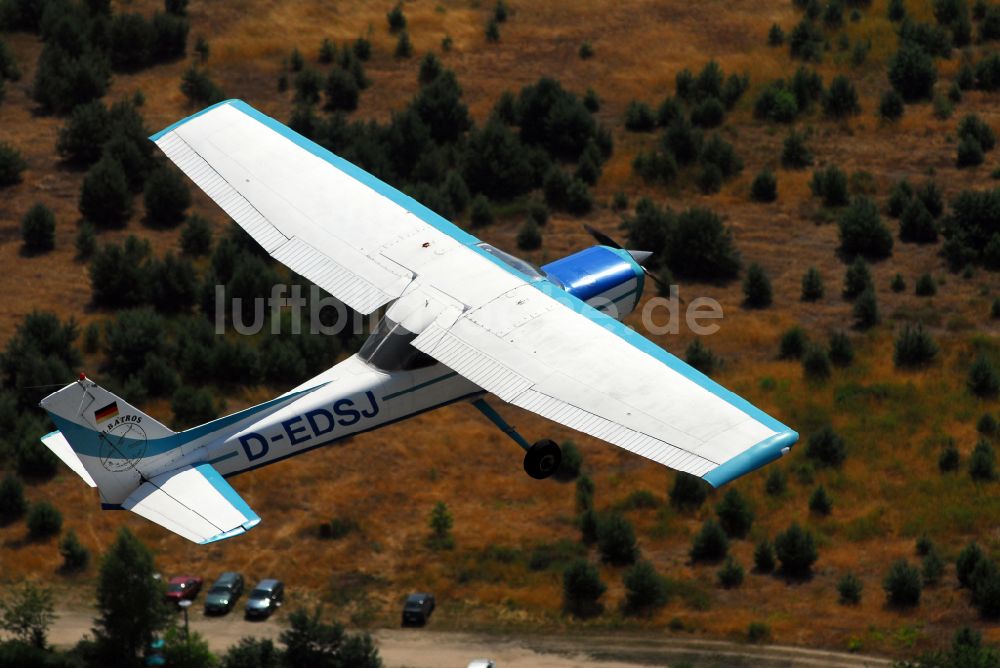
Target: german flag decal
{"points": [[106, 413]]}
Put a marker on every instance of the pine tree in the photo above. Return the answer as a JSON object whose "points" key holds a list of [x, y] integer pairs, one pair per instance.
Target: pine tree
{"points": [[38, 228], [757, 291], [812, 285], [735, 516], [105, 200]]}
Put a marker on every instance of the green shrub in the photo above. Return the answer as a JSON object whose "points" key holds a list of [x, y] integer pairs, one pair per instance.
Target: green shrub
{"points": [[793, 343], [38, 228], [709, 113], [639, 117], [571, 463], [899, 198], [982, 380], [982, 462], [702, 247], [75, 555], [865, 311], [758, 632], [757, 292], [481, 212], [898, 284], [337, 528], [841, 99], [616, 540], [341, 90], [862, 231], [196, 237], [396, 18], [735, 515], [199, 88], [193, 406], [710, 179], [987, 424], [682, 141], [820, 502], [83, 135], [584, 493], [688, 492], [794, 153], [763, 557], [588, 526], [11, 165], [912, 72], [582, 589], [917, 224], [730, 575], [949, 458], [970, 152], [826, 447], [914, 348], [932, 567], [925, 286], [764, 187], [645, 589], [849, 588], [857, 279], [974, 127], [891, 106], [492, 31], [44, 520], [775, 36], [806, 41], [816, 363], [831, 185], [796, 550], [776, 483], [12, 502], [166, 198], [710, 544], [902, 585], [529, 237], [701, 357], [812, 285], [841, 349], [105, 200]]}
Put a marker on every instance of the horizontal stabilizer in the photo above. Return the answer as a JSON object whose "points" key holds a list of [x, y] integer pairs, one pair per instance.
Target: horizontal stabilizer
{"points": [[58, 444], [195, 502]]}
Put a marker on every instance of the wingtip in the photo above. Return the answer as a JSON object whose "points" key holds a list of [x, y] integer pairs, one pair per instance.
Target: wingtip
{"points": [[761, 454]]}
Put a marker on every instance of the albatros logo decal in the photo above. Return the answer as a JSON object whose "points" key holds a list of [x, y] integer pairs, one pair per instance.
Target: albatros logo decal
{"points": [[123, 444]]}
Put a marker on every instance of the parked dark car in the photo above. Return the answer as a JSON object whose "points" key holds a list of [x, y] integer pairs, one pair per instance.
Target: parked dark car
{"points": [[222, 596], [183, 587], [417, 609], [265, 598]]}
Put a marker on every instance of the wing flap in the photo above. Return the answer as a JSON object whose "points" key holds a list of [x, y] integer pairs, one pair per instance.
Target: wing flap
{"points": [[195, 502]]}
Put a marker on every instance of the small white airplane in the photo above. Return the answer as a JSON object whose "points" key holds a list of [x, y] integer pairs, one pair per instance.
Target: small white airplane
{"points": [[463, 319]]}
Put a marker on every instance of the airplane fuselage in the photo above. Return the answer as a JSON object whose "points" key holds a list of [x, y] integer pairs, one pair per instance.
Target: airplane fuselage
{"points": [[351, 397]]}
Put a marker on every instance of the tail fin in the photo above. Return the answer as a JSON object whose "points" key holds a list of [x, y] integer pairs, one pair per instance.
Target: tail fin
{"points": [[119, 446], [138, 464], [110, 438]]}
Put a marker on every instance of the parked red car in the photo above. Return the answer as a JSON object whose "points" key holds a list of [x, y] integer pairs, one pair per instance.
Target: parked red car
{"points": [[183, 586]]}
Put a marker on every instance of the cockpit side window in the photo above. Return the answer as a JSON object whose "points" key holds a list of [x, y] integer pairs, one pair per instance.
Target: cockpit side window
{"points": [[390, 348], [522, 266]]}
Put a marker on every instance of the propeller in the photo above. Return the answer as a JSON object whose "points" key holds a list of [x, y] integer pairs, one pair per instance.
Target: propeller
{"points": [[638, 256]]}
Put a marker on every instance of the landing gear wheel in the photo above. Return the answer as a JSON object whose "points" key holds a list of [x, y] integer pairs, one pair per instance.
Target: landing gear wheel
{"points": [[542, 459]]}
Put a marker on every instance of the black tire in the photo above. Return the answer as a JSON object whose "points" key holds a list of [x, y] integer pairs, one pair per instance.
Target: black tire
{"points": [[542, 459]]}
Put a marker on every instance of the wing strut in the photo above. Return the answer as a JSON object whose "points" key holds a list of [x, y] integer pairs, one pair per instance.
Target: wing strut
{"points": [[541, 459]]}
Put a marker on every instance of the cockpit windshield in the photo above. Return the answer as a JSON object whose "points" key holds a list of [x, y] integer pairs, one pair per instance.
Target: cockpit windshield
{"points": [[389, 348], [525, 268]]}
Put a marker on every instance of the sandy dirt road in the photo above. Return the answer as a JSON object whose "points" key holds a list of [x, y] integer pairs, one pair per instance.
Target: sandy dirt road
{"points": [[428, 648]]}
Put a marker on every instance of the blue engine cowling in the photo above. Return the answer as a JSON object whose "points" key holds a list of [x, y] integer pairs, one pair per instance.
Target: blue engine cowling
{"points": [[606, 278]]}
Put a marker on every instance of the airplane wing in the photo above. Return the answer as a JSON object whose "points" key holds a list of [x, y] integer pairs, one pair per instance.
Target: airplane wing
{"points": [[509, 331], [195, 502]]}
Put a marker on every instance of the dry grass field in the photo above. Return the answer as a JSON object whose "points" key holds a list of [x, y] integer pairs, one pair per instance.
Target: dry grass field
{"points": [[889, 491]]}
